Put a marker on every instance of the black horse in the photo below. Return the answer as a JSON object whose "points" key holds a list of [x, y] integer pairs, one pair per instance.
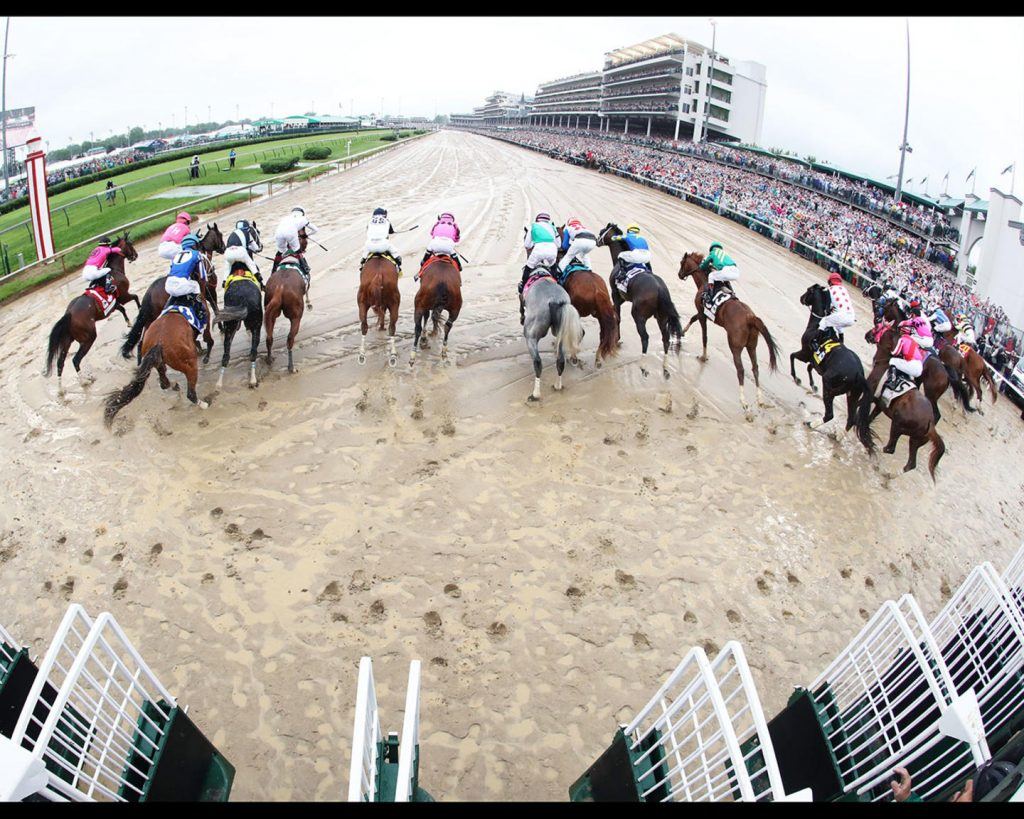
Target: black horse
{"points": [[840, 369], [243, 301]]}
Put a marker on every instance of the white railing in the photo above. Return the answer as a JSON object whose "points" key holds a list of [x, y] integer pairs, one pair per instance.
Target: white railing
{"points": [[408, 749], [366, 738], [9, 648]]}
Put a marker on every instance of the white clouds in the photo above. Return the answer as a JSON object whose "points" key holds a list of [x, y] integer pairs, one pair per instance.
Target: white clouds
{"points": [[835, 85]]}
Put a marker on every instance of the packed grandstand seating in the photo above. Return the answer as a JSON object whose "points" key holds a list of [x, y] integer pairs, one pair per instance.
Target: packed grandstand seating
{"points": [[647, 72], [793, 204], [647, 88], [634, 104]]}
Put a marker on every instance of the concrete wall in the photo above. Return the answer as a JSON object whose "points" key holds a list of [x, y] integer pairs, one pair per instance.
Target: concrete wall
{"points": [[749, 87], [1001, 266]]}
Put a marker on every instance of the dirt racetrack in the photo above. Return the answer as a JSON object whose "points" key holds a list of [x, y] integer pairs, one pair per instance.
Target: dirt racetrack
{"points": [[548, 563]]}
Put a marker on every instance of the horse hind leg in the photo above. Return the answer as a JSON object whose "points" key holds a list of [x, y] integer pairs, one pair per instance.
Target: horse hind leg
{"points": [[752, 354], [192, 377], [294, 331], [531, 345], [254, 331], [738, 363], [645, 339], [83, 349], [915, 444], [230, 329]]}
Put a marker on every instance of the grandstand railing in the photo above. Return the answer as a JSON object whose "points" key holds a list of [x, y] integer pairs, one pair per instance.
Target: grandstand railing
{"points": [[284, 181]]}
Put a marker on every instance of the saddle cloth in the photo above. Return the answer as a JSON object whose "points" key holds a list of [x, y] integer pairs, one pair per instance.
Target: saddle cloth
{"points": [[897, 385], [105, 300], [723, 295], [623, 279], [572, 268], [294, 265], [188, 313], [537, 275], [247, 276], [819, 354], [435, 257]]}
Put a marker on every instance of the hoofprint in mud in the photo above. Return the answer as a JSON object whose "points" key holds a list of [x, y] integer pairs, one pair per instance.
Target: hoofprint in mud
{"points": [[548, 562]]}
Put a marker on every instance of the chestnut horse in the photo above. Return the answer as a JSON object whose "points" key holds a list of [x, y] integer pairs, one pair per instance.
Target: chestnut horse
{"points": [[589, 295], [285, 291], [79, 320], [378, 290], [649, 296], [155, 298], [911, 414], [741, 326], [974, 367], [440, 289]]}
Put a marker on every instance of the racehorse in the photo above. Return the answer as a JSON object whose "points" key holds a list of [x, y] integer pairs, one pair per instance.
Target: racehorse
{"points": [[649, 296], [911, 413], [155, 298], [79, 320], [440, 289], [547, 307], [285, 291], [589, 295], [378, 290], [168, 341], [974, 367], [241, 294], [841, 370], [741, 326], [936, 375]]}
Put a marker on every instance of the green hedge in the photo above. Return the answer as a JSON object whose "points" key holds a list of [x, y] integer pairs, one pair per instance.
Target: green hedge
{"points": [[273, 166], [388, 138], [316, 152]]}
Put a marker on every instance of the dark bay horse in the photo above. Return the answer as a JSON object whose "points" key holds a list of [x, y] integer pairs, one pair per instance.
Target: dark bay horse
{"points": [[242, 304], [841, 370], [79, 320], [742, 328], [378, 291], [911, 414], [286, 289], [440, 289], [649, 296], [155, 298], [588, 293]]}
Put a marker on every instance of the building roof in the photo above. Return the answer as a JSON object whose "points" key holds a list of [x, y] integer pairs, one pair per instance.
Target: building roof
{"points": [[651, 48], [977, 206], [263, 122]]}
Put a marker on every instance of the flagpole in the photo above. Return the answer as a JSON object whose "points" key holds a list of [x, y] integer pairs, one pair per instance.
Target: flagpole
{"points": [[906, 122]]}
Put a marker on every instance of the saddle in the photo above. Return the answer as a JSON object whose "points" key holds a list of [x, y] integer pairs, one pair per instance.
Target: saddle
{"points": [[624, 277], [563, 277], [246, 275], [190, 310], [292, 260], [897, 385], [537, 275], [435, 257], [712, 303], [106, 301]]}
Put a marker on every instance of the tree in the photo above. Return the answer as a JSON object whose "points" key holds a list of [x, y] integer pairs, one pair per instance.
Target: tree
{"points": [[441, 119], [136, 134]]}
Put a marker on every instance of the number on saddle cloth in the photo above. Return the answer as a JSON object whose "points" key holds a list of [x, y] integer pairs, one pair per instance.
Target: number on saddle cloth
{"points": [[897, 384], [626, 276], [712, 304], [821, 352], [190, 310]]}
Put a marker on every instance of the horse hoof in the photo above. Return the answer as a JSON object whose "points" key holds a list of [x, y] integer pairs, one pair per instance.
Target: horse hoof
{"points": [[574, 361], [392, 360], [797, 381], [362, 358], [749, 415], [533, 399], [888, 450], [645, 372], [203, 404], [667, 374], [702, 359]]}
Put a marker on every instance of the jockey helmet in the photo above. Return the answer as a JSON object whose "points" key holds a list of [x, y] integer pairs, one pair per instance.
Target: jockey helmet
{"points": [[835, 278], [714, 245], [380, 212], [242, 224], [190, 240], [184, 217], [633, 228], [446, 216], [105, 241], [574, 222], [915, 304], [542, 217], [299, 211]]}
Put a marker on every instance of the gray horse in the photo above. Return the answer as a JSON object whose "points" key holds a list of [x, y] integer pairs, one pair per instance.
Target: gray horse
{"points": [[548, 309]]}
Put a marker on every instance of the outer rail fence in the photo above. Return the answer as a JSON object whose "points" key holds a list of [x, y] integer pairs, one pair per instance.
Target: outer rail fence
{"points": [[286, 180], [851, 273], [102, 199]]}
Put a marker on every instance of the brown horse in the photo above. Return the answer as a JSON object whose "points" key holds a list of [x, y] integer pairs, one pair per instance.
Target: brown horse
{"points": [[378, 290], [155, 298], [285, 291], [588, 293], [911, 414], [649, 296], [440, 289], [936, 376], [974, 368], [79, 320], [741, 325]]}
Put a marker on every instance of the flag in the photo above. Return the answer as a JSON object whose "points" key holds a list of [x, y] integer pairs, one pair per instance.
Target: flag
{"points": [[968, 179], [1008, 168], [924, 180], [909, 181], [946, 177]]}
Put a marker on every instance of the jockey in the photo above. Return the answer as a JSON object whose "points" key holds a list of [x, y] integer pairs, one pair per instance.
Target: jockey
{"points": [[378, 233], [96, 273], [577, 242], [542, 241], [922, 332], [940, 321], [287, 237], [723, 271], [444, 235], [180, 283], [841, 315], [964, 331], [241, 242], [906, 356], [637, 252], [171, 240]]}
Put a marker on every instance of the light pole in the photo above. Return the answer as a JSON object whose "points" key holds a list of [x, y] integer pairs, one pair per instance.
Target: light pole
{"points": [[904, 148], [711, 74], [3, 112], [186, 119]]}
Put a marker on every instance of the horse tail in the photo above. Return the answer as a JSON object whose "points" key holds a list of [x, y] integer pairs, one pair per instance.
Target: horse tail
{"points": [[773, 348], [568, 328], [609, 329], [938, 449], [667, 309], [61, 330], [144, 317], [988, 377], [119, 399], [864, 431], [234, 312], [960, 389]]}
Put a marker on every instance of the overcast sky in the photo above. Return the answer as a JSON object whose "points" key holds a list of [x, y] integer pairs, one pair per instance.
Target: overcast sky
{"points": [[835, 85]]}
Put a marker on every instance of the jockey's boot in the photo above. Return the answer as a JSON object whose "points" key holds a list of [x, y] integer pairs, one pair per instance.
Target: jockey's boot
{"points": [[398, 263], [522, 308], [303, 264], [426, 255], [277, 261], [109, 286]]}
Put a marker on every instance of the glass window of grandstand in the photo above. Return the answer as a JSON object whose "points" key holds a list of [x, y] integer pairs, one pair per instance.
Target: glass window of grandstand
{"points": [[720, 94], [722, 77], [720, 113]]}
